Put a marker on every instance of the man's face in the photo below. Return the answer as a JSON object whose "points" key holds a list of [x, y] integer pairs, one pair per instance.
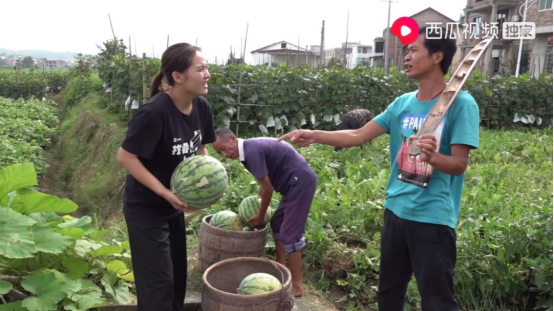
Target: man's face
{"points": [[418, 62], [227, 147]]}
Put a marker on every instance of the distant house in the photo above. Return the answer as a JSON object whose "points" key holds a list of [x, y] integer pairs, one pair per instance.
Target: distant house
{"points": [[48, 63], [284, 52], [501, 57], [377, 59], [354, 53], [332, 53], [540, 51], [360, 56]]}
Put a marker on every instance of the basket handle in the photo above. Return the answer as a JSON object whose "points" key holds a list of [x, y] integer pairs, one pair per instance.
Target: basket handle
{"points": [[286, 303]]}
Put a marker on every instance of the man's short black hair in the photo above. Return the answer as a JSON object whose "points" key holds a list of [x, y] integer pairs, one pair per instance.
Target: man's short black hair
{"points": [[437, 39]]}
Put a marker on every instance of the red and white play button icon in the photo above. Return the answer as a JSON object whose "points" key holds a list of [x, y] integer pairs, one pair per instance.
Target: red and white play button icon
{"points": [[406, 29]]}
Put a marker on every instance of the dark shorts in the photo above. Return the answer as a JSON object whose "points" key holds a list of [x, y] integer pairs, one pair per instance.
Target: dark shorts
{"points": [[289, 219]]}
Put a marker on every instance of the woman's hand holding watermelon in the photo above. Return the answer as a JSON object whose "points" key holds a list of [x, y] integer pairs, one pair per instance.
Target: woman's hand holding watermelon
{"points": [[175, 202]]}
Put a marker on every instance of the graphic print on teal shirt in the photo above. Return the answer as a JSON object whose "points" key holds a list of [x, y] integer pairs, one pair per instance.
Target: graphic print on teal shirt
{"points": [[411, 169]]}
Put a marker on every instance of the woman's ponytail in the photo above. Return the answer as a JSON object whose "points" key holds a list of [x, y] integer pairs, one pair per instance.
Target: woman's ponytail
{"points": [[156, 84]]}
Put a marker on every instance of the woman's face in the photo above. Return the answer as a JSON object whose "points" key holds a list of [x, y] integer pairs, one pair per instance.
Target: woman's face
{"points": [[196, 76]]}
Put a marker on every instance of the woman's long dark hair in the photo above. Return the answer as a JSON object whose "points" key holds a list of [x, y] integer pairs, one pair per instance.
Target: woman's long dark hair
{"points": [[177, 57]]}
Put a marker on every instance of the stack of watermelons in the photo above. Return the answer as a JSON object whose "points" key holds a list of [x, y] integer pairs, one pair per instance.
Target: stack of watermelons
{"points": [[200, 181], [248, 208]]}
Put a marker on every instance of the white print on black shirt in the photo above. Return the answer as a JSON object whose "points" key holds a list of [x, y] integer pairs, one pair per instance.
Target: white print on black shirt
{"points": [[189, 148]]}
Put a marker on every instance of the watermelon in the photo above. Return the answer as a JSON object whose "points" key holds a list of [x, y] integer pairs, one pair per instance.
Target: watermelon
{"points": [[228, 220], [199, 181], [250, 207], [258, 283]]}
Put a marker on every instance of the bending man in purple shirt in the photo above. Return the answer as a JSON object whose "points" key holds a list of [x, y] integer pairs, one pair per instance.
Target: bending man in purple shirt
{"points": [[277, 166]]}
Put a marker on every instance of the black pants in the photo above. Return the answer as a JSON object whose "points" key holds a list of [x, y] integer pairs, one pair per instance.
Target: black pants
{"points": [[159, 256], [348, 123], [426, 250]]}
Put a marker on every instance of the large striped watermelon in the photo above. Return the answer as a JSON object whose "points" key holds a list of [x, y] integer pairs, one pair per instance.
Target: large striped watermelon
{"points": [[200, 181], [228, 220], [258, 283], [250, 207]]}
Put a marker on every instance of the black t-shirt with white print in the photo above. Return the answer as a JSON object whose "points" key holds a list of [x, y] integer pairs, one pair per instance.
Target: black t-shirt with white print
{"points": [[162, 137]]}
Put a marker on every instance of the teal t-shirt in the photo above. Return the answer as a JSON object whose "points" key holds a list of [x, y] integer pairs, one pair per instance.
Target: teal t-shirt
{"points": [[415, 191]]}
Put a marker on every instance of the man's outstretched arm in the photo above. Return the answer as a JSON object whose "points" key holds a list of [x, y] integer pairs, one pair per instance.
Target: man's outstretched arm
{"points": [[344, 139]]}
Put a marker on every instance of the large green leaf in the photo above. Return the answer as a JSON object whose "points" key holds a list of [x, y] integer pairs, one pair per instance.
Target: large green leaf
{"points": [[119, 290], [47, 240], [97, 266], [83, 223], [76, 233], [108, 281], [122, 293], [17, 176], [5, 287], [107, 250], [76, 267], [14, 306], [49, 291], [83, 247], [83, 302], [120, 268], [116, 266], [49, 219], [16, 234], [29, 201], [98, 234], [88, 297]]}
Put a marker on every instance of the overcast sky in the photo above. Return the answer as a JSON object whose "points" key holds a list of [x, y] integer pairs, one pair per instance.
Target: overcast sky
{"points": [[74, 26]]}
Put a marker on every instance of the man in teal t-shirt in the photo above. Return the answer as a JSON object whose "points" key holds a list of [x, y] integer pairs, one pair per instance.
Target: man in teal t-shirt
{"points": [[424, 192]]}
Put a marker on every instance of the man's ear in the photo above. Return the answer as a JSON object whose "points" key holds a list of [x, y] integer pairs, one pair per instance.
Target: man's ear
{"points": [[438, 56], [233, 138]]}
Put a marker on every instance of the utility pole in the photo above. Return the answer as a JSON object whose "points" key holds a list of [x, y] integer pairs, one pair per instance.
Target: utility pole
{"points": [[387, 37], [346, 43], [321, 46], [526, 4]]}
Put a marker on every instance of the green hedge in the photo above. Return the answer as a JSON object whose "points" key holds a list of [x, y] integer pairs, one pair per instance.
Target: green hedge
{"points": [[26, 84], [313, 98]]}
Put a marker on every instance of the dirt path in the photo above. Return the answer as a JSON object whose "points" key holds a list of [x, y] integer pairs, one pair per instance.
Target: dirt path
{"points": [[51, 182]]}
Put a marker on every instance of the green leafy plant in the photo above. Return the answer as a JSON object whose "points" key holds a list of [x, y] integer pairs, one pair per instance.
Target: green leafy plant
{"points": [[26, 127], [60, 261]]}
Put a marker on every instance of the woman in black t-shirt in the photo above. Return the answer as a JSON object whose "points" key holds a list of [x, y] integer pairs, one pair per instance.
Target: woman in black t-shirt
{"points": [[175, 124]]}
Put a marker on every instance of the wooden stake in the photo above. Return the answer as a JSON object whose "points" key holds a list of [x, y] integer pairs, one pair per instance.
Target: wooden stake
{"points": [[298, 52], [144, 80], [245, 38], [346, 43], [113, 32]]}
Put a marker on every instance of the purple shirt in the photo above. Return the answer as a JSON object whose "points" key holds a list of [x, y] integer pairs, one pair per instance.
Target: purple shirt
{"points": [[279, 160]]}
